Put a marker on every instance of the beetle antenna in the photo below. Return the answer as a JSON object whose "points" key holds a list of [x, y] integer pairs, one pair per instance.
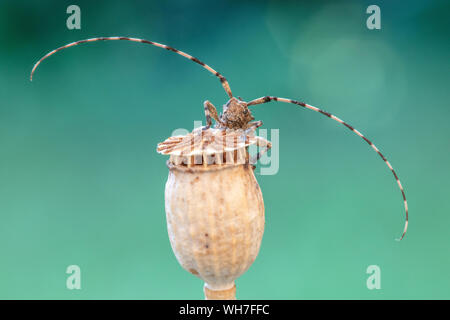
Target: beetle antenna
{"points": [[222, 79], [329, 115]]}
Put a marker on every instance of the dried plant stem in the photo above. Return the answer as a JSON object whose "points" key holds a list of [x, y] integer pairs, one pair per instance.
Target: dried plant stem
{"points": [[227, 294]]}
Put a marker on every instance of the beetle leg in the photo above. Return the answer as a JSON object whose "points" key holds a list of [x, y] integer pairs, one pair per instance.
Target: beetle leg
{"points": [[253, 126], [210, 112]]}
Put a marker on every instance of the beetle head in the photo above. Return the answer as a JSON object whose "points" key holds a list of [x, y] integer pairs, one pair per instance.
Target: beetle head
{"points": [[236, 114]]}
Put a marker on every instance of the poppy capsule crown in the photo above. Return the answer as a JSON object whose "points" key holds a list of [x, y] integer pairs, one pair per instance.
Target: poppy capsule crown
{"points": [[213, 146]]}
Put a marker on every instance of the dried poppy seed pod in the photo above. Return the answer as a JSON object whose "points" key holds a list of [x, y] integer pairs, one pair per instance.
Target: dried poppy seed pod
{"points": [[214, 209]]}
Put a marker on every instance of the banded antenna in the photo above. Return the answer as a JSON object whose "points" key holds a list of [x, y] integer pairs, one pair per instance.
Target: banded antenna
{"points": [[222, 79], [329, 115]]}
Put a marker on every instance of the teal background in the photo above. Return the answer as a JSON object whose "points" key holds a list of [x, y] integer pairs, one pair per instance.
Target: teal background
{"points": [[81, 183]]}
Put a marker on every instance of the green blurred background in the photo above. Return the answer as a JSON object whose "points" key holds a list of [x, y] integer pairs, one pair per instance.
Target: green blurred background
{"points": [[81, 183]]}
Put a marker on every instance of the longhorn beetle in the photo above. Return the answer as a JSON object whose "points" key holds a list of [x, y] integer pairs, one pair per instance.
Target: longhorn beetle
{"points": [[236, 114]]}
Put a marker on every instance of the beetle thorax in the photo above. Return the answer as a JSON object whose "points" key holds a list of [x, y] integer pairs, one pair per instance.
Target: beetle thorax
{"points": [[236, 114]]}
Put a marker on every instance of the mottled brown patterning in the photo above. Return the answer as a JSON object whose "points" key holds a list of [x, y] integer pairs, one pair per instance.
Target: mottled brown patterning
{"points": [[236, 114]]}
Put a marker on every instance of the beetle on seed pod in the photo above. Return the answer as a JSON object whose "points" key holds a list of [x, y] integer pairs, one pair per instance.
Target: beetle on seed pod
{"points": [[214, 206]]}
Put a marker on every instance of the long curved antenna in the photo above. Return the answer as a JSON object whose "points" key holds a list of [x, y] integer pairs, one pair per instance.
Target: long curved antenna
{"points": [[222, 79], [307, 106]]}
